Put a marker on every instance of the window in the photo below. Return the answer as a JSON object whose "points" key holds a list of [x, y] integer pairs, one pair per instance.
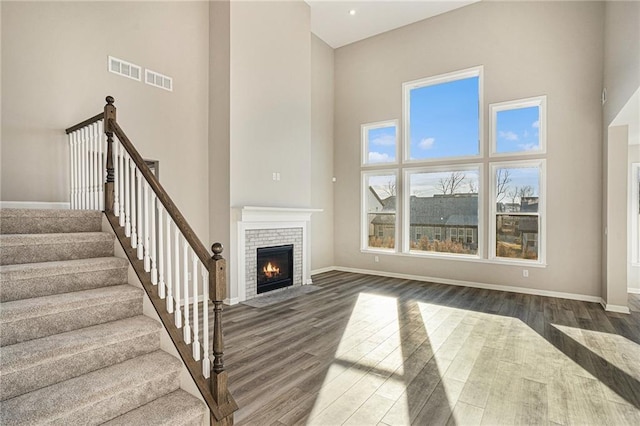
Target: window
{"points": [[379, 142], [442, 116], [518, 127], [518, 210], [379, 222], [442, 198]]}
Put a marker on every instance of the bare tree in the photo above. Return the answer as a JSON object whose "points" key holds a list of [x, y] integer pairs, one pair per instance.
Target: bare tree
{"points": [[450, 184], [502, 183], [390, 189], [525, 191], [473, 188], [513, 194]]}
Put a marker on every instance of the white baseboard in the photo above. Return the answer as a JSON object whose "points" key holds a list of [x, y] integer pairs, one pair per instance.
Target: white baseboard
{"points": [[633, 290], [323, 270], [231, 301], [34, 205], [512, 289], [614, 308]]}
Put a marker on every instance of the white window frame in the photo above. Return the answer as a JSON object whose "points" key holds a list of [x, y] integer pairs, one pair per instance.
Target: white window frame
{"points": [[431, 81], [634, 216], [364, 225], [406, 210], [364, 137], [494, 109], [542, 212]]}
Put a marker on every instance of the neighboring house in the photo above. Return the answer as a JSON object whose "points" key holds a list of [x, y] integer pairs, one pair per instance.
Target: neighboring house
{"points": [[441, 217]]}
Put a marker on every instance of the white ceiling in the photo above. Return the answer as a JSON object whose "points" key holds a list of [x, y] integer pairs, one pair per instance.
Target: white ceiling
{"points": [[331, 21]]}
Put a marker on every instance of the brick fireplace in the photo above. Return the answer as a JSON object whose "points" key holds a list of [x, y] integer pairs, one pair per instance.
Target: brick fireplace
{"points": [[268, 227]]}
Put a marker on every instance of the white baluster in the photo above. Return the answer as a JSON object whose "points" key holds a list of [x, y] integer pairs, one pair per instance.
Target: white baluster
{"points": [[196, 339], [127, 196], [152, 212], [103, 166], [83, 168], [116, 184], [132, 191], [72, 168], [169, 260], [96, 171], [206, 361], [185, 269], [123, 196], [176, 280], [139, 214], [160, 271], [90, 170], [146, 239]]}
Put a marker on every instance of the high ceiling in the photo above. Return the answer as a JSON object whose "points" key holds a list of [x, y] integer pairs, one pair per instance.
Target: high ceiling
{"points": [[339, 22]]}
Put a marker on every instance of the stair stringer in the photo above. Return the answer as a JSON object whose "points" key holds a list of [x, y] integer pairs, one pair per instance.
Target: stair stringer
{"points": [[166, 344]]}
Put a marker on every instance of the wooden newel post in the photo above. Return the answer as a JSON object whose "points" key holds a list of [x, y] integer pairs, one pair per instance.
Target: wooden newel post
{"points": [[109, 119], [217, 293]]}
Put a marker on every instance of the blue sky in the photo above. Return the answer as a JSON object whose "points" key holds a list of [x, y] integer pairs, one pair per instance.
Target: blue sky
{"points": [[382, 144], [517, 129], [444, 120]]}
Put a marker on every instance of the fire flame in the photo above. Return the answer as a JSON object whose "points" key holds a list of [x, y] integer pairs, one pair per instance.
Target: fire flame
{"points": [[271, 271]]}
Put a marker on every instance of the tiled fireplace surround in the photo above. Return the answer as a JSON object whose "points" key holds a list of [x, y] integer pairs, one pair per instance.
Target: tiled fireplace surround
{"points": [[267, 227]]}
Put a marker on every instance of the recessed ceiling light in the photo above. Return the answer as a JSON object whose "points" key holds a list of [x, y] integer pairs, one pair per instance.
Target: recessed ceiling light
{"points": [[352, 12]]}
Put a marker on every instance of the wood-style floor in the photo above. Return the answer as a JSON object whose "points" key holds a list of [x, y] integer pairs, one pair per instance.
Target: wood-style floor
{"points": [[368, 350]]}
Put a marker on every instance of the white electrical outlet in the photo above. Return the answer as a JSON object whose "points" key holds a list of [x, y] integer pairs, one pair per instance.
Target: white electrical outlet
{"points": [[376, 259], [525, 273]]}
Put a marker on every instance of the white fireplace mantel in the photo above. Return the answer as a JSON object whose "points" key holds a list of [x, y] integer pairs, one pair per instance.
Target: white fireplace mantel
{"points": [[254, 217]]}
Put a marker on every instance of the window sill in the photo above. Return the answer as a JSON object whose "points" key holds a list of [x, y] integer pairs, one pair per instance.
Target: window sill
{"points": [[462, 258]]}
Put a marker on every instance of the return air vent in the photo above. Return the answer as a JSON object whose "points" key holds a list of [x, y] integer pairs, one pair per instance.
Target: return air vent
{"points": [[124, 68], [156, 79]]}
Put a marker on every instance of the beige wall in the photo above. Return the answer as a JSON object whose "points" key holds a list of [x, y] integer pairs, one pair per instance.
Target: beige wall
{"points": [[270, 104], [633, 270], [54, 74], [621, 80], [322, 65], [527, 49]]}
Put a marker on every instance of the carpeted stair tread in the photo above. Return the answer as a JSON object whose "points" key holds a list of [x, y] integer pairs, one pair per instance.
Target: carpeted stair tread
{"points": [[178, 408], [33, 248], [98, 396], [30, 365], [27, 319], [38, 221], [28, 280]]}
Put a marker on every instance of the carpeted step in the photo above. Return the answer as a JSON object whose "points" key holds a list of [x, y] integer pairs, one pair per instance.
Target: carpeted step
{"points": [[31, 365], [178, 408], [42, 279], [98, 396], [33, 248], [41, 221], [23, 320]]}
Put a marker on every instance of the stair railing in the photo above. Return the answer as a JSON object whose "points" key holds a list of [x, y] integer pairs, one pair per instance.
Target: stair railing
{"points": [[170, 260]]}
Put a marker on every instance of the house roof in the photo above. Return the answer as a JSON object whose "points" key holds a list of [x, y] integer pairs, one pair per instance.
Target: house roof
{"points": [[439, 210]]}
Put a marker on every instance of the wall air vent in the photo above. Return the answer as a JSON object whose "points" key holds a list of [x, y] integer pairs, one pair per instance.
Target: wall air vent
{"points": [[156, 79], [124, 68]]}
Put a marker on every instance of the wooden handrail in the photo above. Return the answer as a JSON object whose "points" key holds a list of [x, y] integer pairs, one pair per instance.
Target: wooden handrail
{"points": [[85, 123], [214, 391]]}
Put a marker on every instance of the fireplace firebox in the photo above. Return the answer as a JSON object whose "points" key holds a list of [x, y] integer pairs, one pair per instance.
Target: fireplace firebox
{"points": [[274, 267]]}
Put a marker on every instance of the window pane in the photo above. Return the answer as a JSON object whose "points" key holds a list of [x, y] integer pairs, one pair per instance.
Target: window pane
{"points": [[381, 144], [517, 130], [380, 196], [446, 202], [517, 236], [444, 120], [517, 189]]}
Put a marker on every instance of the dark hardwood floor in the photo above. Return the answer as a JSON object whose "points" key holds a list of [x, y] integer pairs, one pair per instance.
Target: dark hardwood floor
{"points": [[368, 350]]}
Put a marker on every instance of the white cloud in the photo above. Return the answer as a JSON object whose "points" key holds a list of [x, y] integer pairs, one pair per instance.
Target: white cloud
{"points": [[508, 135], [379, 157], [526, 134], [383, 140], [529, 146], [427, 143], [535, 124]]}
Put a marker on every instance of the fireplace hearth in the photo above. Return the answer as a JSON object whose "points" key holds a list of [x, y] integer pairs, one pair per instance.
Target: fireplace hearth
{"points": [[274, 267]]}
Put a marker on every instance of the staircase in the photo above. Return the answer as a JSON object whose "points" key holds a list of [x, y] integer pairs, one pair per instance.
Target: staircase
{"points": [[74, 345]]}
